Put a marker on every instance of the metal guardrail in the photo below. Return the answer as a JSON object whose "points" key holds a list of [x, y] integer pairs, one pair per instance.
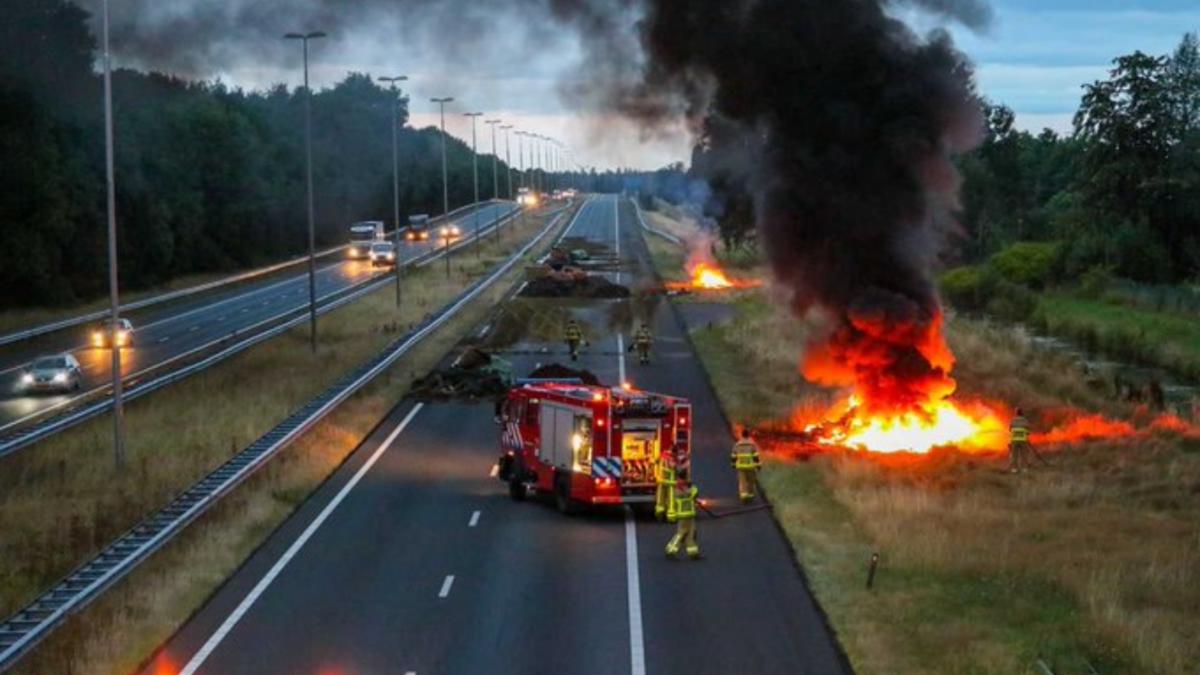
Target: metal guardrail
{"points": [[74, 321], [38, 619], [25, 436], [662, 233]]}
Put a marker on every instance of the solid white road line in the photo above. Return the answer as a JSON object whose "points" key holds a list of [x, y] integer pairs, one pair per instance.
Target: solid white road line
{"points": [[617, 233], [637, 644], [446, 584], [621, 359], [474, 519], [213, 642]]}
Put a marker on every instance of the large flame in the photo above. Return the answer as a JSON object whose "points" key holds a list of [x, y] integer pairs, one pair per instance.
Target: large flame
{"points": [[705, 275], [898, 375]]}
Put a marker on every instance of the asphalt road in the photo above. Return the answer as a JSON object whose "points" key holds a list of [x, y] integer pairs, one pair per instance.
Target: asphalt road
{"points": [[163, 333], [412, 558]]}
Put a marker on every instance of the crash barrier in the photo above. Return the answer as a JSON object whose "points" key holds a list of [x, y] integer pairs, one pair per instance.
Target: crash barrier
{"points": [[74, 321], [38, 619], [14, 438]]}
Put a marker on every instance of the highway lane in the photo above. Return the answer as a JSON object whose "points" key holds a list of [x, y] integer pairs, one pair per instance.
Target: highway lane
{"points": [[412, 559], [163, 333]]}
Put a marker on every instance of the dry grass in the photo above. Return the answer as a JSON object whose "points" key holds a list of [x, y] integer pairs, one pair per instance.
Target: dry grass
{"points": [[62, 501], [1093, 561]]}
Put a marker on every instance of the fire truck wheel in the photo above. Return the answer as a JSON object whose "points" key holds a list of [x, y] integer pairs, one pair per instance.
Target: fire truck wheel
{"points": [[517, 490], [562, 495]]}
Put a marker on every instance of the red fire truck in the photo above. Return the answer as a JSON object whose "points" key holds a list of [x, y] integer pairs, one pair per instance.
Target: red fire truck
{"points": [[587, 444]]}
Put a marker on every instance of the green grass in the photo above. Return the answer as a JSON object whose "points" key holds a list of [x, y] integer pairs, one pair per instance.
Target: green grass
{"points": [[1164, 339], [1093, 561], [62, 500]]}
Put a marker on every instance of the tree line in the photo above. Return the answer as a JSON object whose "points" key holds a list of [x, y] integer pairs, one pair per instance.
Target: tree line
{"points": [[1121, 192], [208, 177]]}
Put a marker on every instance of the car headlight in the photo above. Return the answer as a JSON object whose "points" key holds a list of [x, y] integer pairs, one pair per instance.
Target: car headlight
{"points": [[98, 337], [60, 377], [27, 378]]}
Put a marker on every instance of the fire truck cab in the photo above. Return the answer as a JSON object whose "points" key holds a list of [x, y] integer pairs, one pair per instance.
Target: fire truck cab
{"points": [[586, 444]]}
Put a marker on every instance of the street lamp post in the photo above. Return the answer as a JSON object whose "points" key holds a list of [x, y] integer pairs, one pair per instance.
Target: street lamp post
{"points": [[475, 174], [445, 188], [508, 158], [495, 170], [396, 174], [113, 292], [312, 264], [521, 157]]}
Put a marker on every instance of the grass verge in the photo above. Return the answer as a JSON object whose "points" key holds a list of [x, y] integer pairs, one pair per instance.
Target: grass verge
{"points": [[62, 501], [1091, 562], [1166, 339]]}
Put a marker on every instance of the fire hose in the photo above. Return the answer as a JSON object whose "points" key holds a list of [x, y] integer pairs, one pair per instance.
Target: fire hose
{"points": [[733, 512]]}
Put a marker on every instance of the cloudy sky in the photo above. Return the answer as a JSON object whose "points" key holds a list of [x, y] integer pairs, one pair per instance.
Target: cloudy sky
{"points": [[511, 65]]}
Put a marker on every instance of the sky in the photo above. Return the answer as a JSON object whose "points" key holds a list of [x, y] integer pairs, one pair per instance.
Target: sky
{"points": [[1035, 57]]}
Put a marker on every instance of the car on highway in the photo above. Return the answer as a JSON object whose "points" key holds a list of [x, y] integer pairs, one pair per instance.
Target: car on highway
{"points": [[382, 254], [102, 335], [52, 373], [450, 232], [418, 228]]}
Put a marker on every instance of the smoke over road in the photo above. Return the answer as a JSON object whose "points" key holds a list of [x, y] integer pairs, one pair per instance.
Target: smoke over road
{"points": [[835, 119]]}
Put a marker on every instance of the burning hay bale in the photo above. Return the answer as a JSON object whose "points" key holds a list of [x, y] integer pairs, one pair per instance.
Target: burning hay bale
{"points": [[475, 375]]}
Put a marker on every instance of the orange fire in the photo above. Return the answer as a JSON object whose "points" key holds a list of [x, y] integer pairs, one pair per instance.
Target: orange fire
{"points": [[967, 427], [898, 373], [709, 276]]}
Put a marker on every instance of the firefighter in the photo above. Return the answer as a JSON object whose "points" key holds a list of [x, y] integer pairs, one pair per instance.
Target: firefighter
{"points": [[664, 476], [573, 334], [642, 340], [1018, 445], [745, 460], [683, 513]]}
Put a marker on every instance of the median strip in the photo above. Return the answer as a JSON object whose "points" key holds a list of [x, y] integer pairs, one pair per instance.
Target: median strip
{"points": [[182, 512]]}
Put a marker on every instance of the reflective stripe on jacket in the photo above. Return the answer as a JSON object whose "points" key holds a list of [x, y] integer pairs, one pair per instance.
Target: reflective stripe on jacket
{"points": [[745, 455], [573, 332], [1020, 430], [683, 503], [642, 337]]}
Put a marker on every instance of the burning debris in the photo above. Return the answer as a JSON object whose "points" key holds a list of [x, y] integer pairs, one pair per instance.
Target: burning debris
{"points": [[571, 282]]}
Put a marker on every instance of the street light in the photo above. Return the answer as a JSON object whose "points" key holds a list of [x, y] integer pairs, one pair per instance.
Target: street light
{"points": [[312, 264], [445, 188], [508, 158], [395, 172], [113, 292], [521, 156], [475, 173], [495, 161]]}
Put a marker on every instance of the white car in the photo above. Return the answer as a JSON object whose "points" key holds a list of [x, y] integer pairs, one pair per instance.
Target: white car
{"points": [[102, 336], [382, 253], [52, 373]]}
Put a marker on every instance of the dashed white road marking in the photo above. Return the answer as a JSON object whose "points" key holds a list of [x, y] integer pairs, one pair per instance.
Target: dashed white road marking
{"points": [[221, 318], [259, 588], [446, 584], [474, 519], [193, 329], [163, 339]]}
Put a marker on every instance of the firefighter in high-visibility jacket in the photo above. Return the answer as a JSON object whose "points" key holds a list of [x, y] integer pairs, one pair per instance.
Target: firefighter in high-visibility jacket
{"points": [[573, 335], [1018, 444], [746, 462], [642, 341], [683, 513], [664, 478]]}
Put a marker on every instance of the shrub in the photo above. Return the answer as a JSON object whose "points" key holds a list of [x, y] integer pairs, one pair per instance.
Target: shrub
{"points": [[965, 287], [1030, 263], [1096, 280]]}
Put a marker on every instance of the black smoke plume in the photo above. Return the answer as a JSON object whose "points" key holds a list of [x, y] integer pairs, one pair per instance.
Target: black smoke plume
{"points": [[833, 118]]}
